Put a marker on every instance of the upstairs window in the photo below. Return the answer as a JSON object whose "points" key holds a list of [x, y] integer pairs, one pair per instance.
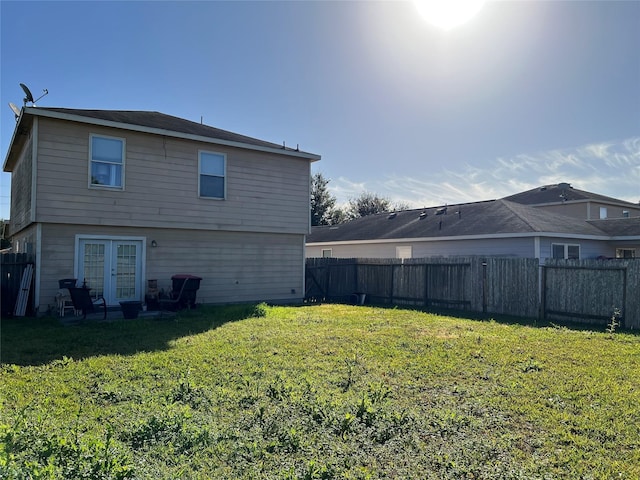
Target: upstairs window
{"points": [[107, 161], [212, 175], [603, 213]]}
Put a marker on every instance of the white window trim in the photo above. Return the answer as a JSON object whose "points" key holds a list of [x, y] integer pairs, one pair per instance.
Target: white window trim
{"points": [[327, 250], [224, 178], [566, 249], [402, 250], [124, 150]]}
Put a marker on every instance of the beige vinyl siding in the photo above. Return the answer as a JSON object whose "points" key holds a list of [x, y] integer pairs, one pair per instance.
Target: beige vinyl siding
{"points": [[235, 266], [21, 178], [265, 192]]}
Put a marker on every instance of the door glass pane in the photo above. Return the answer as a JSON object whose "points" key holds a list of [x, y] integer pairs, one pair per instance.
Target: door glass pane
{"points": [[93, 273], [126, 259]]}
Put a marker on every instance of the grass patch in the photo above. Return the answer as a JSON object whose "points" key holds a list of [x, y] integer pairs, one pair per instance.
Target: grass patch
{"points": [[318, 392]]}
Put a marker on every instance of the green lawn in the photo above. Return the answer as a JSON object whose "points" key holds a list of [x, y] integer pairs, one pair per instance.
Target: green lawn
{"points": [[324, 391]]}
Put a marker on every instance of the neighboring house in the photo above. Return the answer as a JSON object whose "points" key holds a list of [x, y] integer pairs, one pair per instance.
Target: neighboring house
{"points": [[489, 228], [562, 198], [117, 198]]}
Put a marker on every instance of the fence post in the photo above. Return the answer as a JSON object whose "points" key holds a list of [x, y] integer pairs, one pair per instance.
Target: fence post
{"points": [[543, 292], [484, 286]]}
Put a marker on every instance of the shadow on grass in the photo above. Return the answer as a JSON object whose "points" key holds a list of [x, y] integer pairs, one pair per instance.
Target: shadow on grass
{"points": [[38, 341]]}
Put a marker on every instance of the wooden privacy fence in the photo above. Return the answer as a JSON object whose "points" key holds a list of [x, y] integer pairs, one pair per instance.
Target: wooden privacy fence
{"points": [[590, 290], [12, 266], [578, 290]]}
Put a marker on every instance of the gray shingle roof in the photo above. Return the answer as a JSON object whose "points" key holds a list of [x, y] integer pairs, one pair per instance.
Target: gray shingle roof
{"points": [[618, 227], [470, 219], [161, 121], [558, 193]]}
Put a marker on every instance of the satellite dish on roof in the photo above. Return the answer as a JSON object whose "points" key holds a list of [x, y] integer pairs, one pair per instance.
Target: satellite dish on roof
{"points": [[27, 92], [15, 109], [29, 97]]}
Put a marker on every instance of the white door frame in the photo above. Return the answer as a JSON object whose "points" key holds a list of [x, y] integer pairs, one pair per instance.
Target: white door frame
{"points": [[114, 238]]}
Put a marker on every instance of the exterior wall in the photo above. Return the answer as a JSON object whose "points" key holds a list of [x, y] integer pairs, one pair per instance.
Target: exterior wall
{"points": [[21, 183], [235, 266], [503, 247], [613, 210], [265, 192], [576, 210], [588, 248], [516, 247], [589, 210]]}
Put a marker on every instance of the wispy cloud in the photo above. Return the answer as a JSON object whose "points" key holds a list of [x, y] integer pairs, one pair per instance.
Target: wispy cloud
{"points": [[608, 168]]}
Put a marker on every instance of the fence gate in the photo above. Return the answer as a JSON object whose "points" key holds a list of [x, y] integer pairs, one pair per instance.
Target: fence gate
{"points": [[13, 266]]}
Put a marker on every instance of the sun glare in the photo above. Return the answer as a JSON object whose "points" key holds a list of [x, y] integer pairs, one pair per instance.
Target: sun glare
{"points": [[448, 14]]}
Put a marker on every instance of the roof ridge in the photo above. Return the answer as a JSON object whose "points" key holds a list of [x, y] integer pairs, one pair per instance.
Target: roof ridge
{"points": [[510, 206]]}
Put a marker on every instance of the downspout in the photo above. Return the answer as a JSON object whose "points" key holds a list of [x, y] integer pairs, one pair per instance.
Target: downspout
{"points": [[34, 168], [33, 217], [36, 289]]}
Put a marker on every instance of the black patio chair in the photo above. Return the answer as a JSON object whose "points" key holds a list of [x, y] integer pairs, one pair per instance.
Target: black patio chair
{"points": [[82, 300], [180, 299]]}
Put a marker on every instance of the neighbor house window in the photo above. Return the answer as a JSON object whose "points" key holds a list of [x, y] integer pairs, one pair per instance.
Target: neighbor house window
{"points": [[212, 175], [565, 251], [403, 251], [326, 253], [625, 253], [107, 161], [603, 213]]}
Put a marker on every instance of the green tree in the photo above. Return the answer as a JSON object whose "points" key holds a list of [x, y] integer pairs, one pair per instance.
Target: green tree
{"points": [[322, 202], [367, 204]]}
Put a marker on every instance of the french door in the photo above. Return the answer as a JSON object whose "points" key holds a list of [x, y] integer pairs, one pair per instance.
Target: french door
{"points": [[111, 267]]}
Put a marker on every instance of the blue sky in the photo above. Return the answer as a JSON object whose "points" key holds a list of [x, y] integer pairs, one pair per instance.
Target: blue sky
{"points": [[525, 94]]}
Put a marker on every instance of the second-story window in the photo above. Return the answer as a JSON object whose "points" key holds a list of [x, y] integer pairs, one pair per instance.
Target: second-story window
{"points": [[107, 161], [212, 175]]}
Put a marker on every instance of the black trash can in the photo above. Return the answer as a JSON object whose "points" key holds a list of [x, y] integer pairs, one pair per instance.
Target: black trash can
{"points": [[67, 283]]}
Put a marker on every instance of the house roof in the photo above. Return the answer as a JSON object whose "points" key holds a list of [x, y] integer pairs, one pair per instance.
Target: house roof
{"points": [[493, 217], [560, 193], [156, 123], [618, 227]]}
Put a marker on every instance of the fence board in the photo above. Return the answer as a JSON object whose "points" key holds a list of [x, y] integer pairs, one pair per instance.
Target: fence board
{"points": [[577, 290], [584, 289]]}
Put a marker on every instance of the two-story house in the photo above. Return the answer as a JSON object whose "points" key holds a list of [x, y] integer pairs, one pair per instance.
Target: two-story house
{"points": [[116, 198]]}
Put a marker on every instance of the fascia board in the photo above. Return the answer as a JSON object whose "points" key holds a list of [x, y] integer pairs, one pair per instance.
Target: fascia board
{"points": [[168, 133], [13, 138], [468, 237]]}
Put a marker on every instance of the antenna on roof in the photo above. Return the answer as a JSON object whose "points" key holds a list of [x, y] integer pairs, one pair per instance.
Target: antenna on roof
{"points": [[29, 97], [16, 110]]}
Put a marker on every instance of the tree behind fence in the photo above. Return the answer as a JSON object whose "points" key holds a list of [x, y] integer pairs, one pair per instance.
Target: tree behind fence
{"points": [[577, 290]]}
